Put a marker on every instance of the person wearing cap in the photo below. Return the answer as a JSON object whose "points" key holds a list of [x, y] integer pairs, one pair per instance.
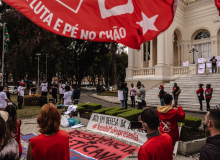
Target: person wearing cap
{"points": [[8, 146], [3, 99], [61, 90], [176, 92], [161, 95], [67, 96], [21, 89], [208, 95], [169, 118], [132, 94], [158, 146], [211, 150], [200, 94], [33, 88], [44, 90]]}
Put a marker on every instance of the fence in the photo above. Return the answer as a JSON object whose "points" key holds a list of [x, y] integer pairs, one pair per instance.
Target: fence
{"points": [[144, 71]]}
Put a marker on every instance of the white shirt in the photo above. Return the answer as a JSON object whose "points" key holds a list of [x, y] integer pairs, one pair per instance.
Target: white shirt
{"points": [[67, 98], [132, 91], [3, 98], [44, 87], [62, 90], [21, 90]]}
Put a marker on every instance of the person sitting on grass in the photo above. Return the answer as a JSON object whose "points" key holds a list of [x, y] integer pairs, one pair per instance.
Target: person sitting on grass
{"points": [[158, 146], [52, 143], [169, 118], [13, 126]]}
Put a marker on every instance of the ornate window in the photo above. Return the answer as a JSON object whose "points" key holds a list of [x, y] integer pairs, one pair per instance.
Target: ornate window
{"points": [[202, 35]]}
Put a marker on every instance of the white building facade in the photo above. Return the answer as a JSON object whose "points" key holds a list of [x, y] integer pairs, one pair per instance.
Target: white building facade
{"points": [[196, 24]]}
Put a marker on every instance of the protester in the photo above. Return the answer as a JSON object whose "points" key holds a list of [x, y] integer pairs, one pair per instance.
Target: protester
{"points": [[161, 95], [67, 96], [54, 91], [126, 95], [214, 68], [33, 87], [158, 146], [13, 126], [52, 143], [141, 95], [3, 99], [200, 94], [211, 150], [21, 89], [132, 94], [76, 95], [121, 92], [176, 92], [169, 118], [61, 90], [44, 90], [9, 147], [208, 95], [8, 93]]}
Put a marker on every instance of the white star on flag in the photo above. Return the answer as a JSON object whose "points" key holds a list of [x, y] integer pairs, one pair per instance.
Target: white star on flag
{"points": [[148, 23]]}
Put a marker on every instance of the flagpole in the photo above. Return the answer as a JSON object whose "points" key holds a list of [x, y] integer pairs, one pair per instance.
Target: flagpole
{"points": [[3, 55]]}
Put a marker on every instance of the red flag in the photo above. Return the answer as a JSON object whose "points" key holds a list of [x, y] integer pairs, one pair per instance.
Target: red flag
{"points": [[130, 22], [217, 3]]}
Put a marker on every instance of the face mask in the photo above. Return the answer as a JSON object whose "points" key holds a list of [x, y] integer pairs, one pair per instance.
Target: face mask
{"points": [[139, 87], [159, 87], [204, 126]]}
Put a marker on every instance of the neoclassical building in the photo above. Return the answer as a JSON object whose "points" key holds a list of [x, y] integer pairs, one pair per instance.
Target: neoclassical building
{"points": [[196, 25]]}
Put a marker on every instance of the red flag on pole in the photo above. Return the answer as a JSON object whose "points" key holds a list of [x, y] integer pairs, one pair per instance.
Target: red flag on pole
{"points": [[130, 22], [217, 3]]}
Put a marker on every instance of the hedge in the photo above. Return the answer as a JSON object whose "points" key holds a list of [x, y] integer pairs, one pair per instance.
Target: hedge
{"points": [[103, 110], [194, 122], [83, 107], [131, 115], [116, 112]]}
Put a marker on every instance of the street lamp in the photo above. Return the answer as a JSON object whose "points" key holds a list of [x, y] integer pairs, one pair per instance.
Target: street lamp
{"points": [[38, 54], [193, 50]]}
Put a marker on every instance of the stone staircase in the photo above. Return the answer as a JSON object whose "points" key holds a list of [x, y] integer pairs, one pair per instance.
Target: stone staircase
{"points": [[188, 84]]}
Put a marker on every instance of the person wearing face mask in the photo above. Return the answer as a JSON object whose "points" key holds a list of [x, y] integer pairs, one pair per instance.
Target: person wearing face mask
{"points": [[208, 95], [158, 146], [141, 95], [211, 150], [200, 94]]}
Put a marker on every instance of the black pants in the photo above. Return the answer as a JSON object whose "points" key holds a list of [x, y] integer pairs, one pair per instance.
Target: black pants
{"points": [[207, 102], [126, 104], [214, 69], [200, 101], [54, 95], [141, 104], [44, 94], [20, 101], [132, 101]]}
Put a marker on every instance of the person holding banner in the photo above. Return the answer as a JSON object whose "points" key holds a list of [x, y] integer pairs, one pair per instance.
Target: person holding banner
{"points": [[200, 94], [214, 68], [208, 95], [158, 146]]}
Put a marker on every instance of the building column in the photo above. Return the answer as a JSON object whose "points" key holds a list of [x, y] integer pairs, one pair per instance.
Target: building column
{"points": [[151, 62], [182, 55], [213, 50], [146, 64], [178, 55], [160, 49], [216, 47], [141, 58], [130, 58]]}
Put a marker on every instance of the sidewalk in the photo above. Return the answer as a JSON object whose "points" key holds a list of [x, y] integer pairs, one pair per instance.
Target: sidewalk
{"points": [[115, 100]]}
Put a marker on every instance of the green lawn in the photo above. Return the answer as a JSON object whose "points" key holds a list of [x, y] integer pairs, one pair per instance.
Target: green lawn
{"points": [[28, 111]]}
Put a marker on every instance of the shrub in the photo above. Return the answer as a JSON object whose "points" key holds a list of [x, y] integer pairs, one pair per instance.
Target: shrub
{"points": [[193, 122], [113, 112], [103, 110], [91, 106], [80, 110], [131, 115]]}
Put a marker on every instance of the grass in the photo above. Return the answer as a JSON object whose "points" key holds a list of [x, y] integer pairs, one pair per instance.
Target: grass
{"points": [[28, 111]]}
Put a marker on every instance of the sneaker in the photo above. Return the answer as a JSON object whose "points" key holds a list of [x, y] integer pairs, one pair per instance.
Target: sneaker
{"points": [[200, 110]]}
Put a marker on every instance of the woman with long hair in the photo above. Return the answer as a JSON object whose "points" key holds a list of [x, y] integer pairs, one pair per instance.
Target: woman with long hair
{"points": [[13, 126], [52, 143], [200, 94]]}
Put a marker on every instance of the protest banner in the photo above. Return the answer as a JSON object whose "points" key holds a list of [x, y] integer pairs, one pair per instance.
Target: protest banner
{"points": [[201, 60], [120, 95], [217, 57], [218, 64], [201, 70], [116, 126], [209, 65], [202, 65], [185, 63], [127, 22], [99, 147]]}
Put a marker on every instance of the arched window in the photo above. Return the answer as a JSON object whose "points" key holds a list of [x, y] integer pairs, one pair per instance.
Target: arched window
{"points": [[202, 35]]}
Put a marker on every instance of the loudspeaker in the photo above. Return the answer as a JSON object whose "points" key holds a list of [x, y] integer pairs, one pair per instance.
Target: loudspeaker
{"points": [[43, 100]]}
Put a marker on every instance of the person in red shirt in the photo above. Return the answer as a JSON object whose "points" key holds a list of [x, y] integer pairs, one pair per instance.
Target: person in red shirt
{"points": [[52, 144], [169, 118], [158, 146], [200, 94], [13, 126], [208, 95]]}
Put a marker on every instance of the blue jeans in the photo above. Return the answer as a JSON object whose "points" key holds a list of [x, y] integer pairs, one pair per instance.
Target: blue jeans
{"points": [[76, 101], [161, 102], [123, 103]]}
